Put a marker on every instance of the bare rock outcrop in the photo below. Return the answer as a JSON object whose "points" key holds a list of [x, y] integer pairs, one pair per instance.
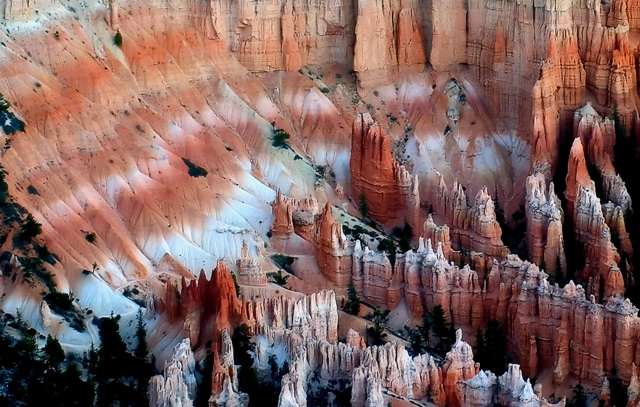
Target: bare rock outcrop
{"points": [[510, 389], [249, 269], [176, 387], [332, 249], [589, 225], [472, 226], [386, 185], [397, 43], [545, 241]]}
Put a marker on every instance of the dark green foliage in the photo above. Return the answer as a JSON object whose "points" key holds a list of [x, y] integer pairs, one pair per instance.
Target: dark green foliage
{"points": [[117, 39], [325, 90], [62, 304], [278, 277], [30, 228], [389, 246], [194, 170], [405, 235], [376, 332], [618, 390], [204, 389], [283, 261], [353, 301], [53, 353], [44, 254], [236, 285], [29, 377], [491, 348], [363, 207], [444, 332], [91, 237], [279, 137], [121, 377], [4, 104], [30, 189], [579, 398]]}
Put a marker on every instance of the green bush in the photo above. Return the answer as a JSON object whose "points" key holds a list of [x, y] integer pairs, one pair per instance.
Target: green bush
{"points": [[194, 170], [279, 137], [91, 237], [117, 39]]}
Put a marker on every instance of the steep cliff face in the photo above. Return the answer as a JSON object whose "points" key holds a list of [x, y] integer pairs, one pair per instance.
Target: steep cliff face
{"points": [[384, 184], [545, 241], [332, 249], [590, 227], [473, 226], [177, 386]]}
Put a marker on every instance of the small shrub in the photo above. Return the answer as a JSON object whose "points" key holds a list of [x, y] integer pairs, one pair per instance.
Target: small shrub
{"points": [[297, 157], [325, 90], [56, 35], [117, 39], [279, 137], [338, 76], [32, 190], [30, 228], [194, 170], [376, 93], [4, 104], [228, 148], [278, 278], [282, 260], [7, 143], [91, 237]]}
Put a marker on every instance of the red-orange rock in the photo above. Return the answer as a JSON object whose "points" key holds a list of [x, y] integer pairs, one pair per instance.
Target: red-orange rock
{"points": [[331, 248], [473, 227], [544, 236], [385, 184]]}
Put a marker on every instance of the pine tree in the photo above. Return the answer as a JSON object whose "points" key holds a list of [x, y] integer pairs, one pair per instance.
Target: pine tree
{"points": [[376, 332], [440, 328], [425, 329], [141, 351], [480, 348], [363, 207], [53, 354], [353, 301]]}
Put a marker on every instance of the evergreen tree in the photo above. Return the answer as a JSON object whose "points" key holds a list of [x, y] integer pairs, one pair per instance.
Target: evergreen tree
{"points": [[440, 328], [363, 207], [353, 301], [480, 349], [141, 333], [53, 354], [495, 348], [425, 329], [376, 332], [579, 398]]}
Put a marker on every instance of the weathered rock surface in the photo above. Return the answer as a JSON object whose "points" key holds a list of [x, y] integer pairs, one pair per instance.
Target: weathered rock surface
{"points": [[590, 227], [472, 226], [249, 269], [545, 241], [386, 185], [510, 389], [332, 249], [176, 387]]}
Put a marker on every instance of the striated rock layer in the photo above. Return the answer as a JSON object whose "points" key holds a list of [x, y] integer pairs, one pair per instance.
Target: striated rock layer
{"points": [[544, 238], [176, 387], [590, 228], [473, 226], [385, 185]]}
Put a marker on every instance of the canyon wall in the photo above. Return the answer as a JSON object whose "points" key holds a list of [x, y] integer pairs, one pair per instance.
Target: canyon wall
{"points": [[386, 187]]}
